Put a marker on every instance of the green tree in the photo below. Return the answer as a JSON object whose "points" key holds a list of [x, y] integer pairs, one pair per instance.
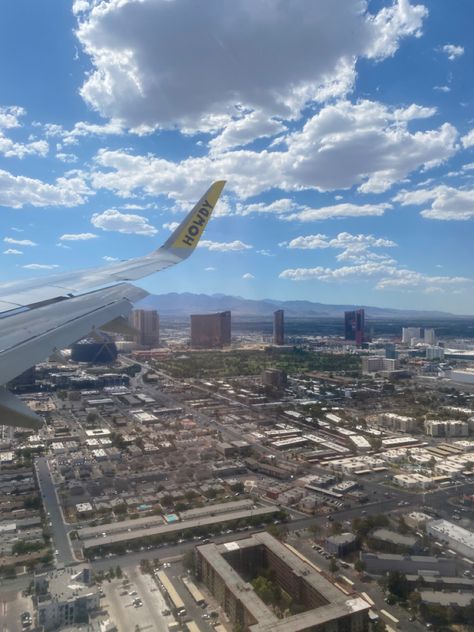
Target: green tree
{"points": [[189, 562], [333, 565], [397, 584], [359, 566]]}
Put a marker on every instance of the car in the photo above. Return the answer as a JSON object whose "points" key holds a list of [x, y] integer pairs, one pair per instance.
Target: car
{"points": [[132, 593]]}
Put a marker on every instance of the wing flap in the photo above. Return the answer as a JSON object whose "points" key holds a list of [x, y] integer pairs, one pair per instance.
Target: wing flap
{"points": [[14, 412]]}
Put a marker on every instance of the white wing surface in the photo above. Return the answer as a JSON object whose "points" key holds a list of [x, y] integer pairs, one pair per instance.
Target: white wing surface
{"points": [[39, 316]]}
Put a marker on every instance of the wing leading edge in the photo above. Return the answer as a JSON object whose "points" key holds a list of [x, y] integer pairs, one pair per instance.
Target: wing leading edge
{"points": [[36, 320]]}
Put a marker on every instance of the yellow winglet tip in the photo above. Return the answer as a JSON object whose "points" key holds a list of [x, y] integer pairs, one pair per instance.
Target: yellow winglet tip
{"points": [[187, 235]]}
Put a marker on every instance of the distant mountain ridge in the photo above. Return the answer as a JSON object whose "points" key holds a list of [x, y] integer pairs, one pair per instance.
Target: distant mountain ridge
{"points": [[186, 303]]}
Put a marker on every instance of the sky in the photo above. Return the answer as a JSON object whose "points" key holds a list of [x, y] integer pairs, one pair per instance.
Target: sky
{"points": [[344, 130]]}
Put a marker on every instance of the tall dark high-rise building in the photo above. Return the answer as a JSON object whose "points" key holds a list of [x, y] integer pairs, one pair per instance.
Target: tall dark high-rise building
{"points": [[354, 324], [147, 323], [210, 330], [279, 327]]}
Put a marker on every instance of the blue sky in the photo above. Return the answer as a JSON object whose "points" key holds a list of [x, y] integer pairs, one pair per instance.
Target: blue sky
{"points": [[345, 131]]}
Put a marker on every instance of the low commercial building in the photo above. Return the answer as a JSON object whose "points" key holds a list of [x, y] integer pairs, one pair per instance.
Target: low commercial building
{"points": [[382, 563], [165, 530], [226, 569], [413, 481], [393, 540], [447, 428], [458, 539], [341, 544]]}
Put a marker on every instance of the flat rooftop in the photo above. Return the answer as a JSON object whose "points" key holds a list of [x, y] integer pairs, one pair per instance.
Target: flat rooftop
{"points": [[336, 603], [163, 529]]}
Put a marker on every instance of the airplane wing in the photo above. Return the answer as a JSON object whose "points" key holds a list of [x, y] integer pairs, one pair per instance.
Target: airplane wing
{"points": [[39, 316]]}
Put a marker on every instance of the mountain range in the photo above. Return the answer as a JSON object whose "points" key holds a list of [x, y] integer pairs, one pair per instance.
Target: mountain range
{"points": [[186, 303]]}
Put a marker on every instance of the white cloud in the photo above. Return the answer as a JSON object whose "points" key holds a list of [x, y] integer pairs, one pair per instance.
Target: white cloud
{"points": [[40, 266], [19, 242], [83, 129], [338, 211], [241, 131], [447, 203], [10, 116], [468, 139], [19, 191], [342, 241], [12, 251], [210, 269], [218, 246], [386, 276], [171, 226], [273, 57], [345, 144], [248, 276], [11, 149], [453, 51], [442, 88], [113, 220], [355, 248], [78, 236], [66, 157], [109, 259]]}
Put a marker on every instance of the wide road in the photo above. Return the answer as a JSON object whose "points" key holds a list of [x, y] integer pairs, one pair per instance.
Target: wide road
{"points": [[54, 514]]}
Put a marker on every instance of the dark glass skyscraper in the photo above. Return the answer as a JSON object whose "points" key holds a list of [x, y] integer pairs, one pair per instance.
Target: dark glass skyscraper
{"points": [[279, 327], [354, 325]]}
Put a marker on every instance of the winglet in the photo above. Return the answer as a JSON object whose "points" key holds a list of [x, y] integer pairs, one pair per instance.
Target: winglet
{"points": [[186, 237]]}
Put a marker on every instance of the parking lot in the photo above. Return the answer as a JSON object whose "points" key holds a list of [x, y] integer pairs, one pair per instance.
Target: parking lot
{"points": [[12, 605], [119, 600]]}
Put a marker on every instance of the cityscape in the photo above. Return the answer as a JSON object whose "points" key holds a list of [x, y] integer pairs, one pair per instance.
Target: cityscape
{"points": [[236, 316], [200, 480]]}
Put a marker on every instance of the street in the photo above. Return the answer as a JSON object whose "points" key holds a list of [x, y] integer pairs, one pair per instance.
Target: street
{"points": [[54, 515]]}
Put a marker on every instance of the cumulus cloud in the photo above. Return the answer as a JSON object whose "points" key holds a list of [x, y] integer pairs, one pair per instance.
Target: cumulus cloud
{"points": [[168, 63], [19, 242], [40, 266], [342, 241], [220, 246], [385, 275], [366, 144], [354, 248], [19, 191], [11, 149], [468, 139], [246, 129], [66, 157], [453, 51], [171, 226], [447, 203], [78, 236], [10, 117], [248, 276], [109, 259], [12, 251], [115, 221], [338, 211], [83, 129]]}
